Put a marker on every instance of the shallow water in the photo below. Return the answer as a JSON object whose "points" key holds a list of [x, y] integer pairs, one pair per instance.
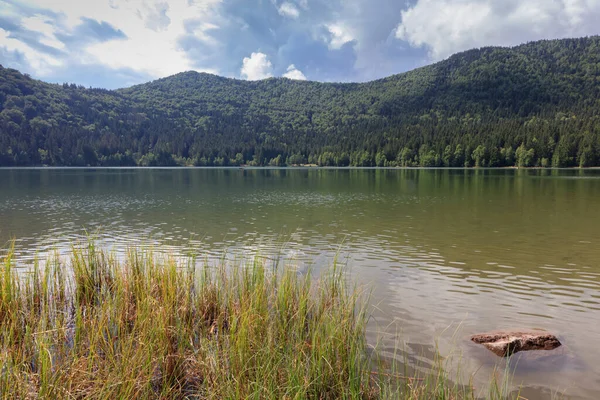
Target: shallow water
{"points": [[447, 253]]}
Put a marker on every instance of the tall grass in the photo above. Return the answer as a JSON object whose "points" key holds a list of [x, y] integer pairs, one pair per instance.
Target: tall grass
{"points": [[155, 327]]}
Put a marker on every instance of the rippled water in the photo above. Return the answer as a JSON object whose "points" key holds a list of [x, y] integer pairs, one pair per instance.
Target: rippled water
{"points": [[447, 253]]}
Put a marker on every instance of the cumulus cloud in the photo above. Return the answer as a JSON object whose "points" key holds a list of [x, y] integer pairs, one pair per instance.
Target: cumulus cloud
{"points": [[90, 30], [289, 10], [43, 26], [156, 16], [445, 27], [133, 35], [152, 45], [294, 73], [25, 56], [339, 35], [116, 42], [256, 67]]}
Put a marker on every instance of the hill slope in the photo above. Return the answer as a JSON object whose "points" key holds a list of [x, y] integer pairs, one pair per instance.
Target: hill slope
{"points": [[535, 104]]}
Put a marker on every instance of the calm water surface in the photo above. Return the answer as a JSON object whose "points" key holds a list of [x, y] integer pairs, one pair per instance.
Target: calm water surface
{"points": [[447, 253]]}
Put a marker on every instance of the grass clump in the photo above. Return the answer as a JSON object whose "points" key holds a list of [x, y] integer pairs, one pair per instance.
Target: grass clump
{"points": [[154, 327]]}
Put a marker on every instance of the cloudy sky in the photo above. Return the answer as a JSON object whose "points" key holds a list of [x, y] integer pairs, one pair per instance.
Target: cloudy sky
{"points": [[117, 43]]}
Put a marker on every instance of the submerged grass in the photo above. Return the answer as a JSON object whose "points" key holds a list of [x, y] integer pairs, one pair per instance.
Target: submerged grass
{"points": [[156, 327]]}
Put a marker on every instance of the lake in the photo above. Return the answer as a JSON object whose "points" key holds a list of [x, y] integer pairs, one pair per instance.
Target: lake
{"points": [[446, 253]]}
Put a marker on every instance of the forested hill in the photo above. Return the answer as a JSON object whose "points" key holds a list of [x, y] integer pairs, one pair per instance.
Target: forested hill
{"points": [[533, 105]]}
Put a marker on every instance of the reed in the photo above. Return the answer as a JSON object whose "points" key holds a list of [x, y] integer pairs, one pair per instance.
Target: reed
{"points": [[152, 326]]}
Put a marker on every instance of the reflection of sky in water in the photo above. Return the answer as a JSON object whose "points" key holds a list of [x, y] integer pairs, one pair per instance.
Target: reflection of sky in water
{"points": [[480, 249]]}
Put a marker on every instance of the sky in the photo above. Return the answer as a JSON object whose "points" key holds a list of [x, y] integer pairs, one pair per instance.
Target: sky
{"points": [[119, 43]]}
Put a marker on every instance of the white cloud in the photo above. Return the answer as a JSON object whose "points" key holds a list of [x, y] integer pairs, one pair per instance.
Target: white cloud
{"points": [[43, 26], [163, 37], [289, 10], [340, 35], [256, 67], [448, 26], [294, 73], [203, 32], [152, 28], [42, 63], [156, 16], [164, 60]]}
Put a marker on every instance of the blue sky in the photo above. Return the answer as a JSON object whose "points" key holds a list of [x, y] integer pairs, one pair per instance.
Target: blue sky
{"points": [[118, 43]]}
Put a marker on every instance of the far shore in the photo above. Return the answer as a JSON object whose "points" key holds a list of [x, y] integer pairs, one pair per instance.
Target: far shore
{"points": [[300, 166]]}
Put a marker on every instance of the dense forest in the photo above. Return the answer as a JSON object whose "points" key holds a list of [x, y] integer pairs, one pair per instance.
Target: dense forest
{"points": [[537, 104]]}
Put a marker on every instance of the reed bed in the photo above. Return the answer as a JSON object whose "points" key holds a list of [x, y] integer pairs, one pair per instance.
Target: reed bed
{"points": [[151, 326]]}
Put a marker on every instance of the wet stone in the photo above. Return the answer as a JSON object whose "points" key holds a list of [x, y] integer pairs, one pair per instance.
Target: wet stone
{"points": [[506, 343]]}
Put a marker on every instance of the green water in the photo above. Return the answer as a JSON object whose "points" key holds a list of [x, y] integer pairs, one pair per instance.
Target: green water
{"points": [[443, 251]]}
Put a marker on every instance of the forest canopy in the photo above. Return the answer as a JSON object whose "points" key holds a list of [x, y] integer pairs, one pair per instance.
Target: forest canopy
{"points": [[537, 104]]}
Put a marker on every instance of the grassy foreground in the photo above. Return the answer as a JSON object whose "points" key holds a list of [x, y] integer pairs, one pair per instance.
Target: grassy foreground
{"points": [[155, 327]]}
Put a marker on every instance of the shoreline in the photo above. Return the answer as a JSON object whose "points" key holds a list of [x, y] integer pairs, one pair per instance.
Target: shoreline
{"points": [[298, 167]]}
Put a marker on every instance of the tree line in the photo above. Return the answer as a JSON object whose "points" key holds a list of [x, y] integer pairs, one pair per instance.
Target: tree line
{"points": [[535, 105]]}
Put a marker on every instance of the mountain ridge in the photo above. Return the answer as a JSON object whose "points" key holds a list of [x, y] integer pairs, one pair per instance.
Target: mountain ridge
{"points": [[208, 74], [476, 108]]}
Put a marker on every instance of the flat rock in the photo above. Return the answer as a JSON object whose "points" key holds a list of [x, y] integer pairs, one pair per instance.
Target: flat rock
{"points": [[506, 343]]}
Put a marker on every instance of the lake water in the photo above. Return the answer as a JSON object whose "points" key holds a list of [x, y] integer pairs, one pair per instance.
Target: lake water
{"points": [[446, 253]]}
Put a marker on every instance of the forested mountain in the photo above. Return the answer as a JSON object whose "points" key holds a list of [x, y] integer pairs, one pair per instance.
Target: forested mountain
{"points": [[537, 104]]}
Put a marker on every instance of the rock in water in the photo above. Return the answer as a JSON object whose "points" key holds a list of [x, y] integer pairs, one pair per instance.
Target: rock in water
{"points": [[504, 344]]}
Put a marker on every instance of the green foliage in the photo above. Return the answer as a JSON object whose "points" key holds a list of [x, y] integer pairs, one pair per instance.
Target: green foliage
{"points": [[479, 156], [474, 109], [524, 156]]}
